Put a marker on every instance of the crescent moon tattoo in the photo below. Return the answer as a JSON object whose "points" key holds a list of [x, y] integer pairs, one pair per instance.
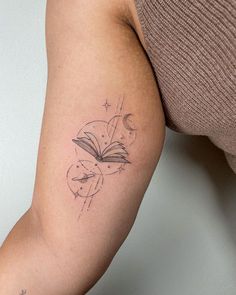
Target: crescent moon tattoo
{"points": [[126, 123]]}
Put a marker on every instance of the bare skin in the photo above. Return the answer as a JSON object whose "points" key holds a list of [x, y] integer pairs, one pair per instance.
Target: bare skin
{"points": [[81, 212]]}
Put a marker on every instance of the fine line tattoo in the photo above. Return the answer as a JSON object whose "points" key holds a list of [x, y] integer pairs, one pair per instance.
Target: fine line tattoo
{"points": [[102, 149], [106, 105], [23, 292]]}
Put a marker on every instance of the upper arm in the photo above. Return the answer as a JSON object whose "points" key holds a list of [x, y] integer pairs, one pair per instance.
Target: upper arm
{"points": [[94, 57]]}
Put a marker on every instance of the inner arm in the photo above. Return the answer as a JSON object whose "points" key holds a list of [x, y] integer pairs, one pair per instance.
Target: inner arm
{"points": [[102, 135]]}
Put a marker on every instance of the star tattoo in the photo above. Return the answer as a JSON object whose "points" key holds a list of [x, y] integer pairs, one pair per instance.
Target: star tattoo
{"points": [[106, 105]]}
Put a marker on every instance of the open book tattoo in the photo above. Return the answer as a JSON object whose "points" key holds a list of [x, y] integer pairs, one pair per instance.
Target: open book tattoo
{"points": [[102, 149], [114, 152]]}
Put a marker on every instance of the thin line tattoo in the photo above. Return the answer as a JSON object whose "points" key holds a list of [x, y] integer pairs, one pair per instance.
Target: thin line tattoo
{"points": [[23, 292], [106, 105], [101, 150]]}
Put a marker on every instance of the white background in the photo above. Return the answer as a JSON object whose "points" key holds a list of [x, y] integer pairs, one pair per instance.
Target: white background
{"points": [[183, 242]]}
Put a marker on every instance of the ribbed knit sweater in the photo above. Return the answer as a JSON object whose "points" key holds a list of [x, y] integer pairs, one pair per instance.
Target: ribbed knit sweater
{"points": [[192, 48]]}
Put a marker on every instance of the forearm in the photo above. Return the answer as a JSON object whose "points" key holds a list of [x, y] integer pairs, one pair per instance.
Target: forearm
{"points": [[29, 263], [26, 262], [65, 265]]}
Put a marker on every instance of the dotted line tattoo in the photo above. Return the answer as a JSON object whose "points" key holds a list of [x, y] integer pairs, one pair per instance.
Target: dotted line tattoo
{"points": [[102, 149]]}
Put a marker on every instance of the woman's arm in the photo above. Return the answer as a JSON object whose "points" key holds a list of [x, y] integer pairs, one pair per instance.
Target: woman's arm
{"points": [[102, 135]]}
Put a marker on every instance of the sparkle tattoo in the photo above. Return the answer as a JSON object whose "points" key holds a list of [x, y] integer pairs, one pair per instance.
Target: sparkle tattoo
{"points": [[106, 105], [102, 149]]}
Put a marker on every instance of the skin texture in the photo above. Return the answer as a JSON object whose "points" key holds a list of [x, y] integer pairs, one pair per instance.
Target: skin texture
{"points": [[94, 55]]}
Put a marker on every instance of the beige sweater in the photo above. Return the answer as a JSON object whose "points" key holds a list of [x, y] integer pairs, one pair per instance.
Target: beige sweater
{"points": [[192, 47]]}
